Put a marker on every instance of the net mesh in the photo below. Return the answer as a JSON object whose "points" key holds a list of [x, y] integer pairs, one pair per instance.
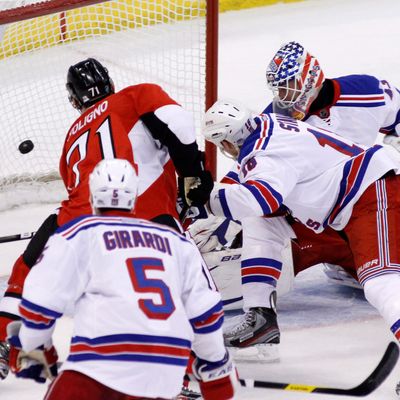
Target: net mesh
{"points": [[156, 41]]}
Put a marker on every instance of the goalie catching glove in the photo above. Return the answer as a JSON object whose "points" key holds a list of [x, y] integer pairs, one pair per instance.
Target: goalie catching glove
{"points": [[217, 380], [39, 364], [195, 190], [214, 232]]}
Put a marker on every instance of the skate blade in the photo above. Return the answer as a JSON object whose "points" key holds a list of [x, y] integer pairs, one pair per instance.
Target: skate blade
{"points": [[188, 394], [189, 397], [258, 353]]}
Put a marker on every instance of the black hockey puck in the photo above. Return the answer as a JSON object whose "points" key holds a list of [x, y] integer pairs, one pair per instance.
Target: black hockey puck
{"points": [[26, 146]]}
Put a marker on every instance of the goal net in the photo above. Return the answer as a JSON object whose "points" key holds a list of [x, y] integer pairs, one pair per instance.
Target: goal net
{"points": [[158, 41]]}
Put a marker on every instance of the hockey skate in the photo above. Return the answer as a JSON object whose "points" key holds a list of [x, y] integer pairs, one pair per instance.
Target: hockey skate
{"points": [[255, 336], [188, 394], [4, 355]]}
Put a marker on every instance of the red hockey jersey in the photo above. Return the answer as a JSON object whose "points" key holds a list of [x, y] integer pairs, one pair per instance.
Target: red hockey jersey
{"points": [[112, 129]]}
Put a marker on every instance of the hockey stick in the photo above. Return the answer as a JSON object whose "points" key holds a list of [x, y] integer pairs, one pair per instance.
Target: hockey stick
{"points": [[29, 235], [18, 236], [372, 382]]}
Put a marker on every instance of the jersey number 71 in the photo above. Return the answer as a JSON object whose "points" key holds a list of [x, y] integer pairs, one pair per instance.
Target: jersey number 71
{"points": [[104, 133]]}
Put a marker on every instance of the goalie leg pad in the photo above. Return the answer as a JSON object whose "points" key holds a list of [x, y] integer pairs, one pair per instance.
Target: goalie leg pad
{"points": [[224, 266], [339, 275]]}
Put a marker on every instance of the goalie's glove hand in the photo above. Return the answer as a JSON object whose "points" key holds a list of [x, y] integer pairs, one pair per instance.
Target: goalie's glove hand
{"points": [[213, 232], [393, 141], [218, 379], [195, 190], [39, 364]]}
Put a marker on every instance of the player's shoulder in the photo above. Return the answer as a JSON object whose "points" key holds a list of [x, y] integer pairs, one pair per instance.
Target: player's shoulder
{"points": [[147, 97], [160, 229], [141, 88], [265, 125], [85, 223], [359, 85]]}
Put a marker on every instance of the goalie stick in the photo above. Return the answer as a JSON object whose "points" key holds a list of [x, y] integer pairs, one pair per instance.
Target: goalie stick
{"points": [[18, 236], [372, 382]]}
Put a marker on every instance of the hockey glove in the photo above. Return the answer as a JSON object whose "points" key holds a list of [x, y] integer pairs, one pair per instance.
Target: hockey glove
{"points": [[393, 141], [195, 190], [39, 364], [213, 232], [217, 380], [185, 212]]}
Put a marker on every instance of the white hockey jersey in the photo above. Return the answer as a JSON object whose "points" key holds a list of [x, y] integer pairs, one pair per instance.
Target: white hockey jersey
{"points": [[141, 297], [362, 106], [314, 173]]}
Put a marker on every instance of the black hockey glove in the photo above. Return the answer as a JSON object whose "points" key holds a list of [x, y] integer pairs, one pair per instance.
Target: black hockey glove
{"points": [[195, 190]]}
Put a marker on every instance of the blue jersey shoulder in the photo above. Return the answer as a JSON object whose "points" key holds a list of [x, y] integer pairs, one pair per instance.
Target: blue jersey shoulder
{"points": [[358, 85]]}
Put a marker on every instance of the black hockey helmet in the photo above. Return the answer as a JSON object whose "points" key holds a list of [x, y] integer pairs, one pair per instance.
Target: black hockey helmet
{"points": [[87, 83]]}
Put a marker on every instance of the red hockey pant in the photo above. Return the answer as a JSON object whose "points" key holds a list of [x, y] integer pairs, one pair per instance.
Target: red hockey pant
{"points": [[72, 385], [370, 243]]}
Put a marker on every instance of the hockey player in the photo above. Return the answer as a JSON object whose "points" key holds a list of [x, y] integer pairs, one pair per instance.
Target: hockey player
{"points": [[141, 124], [321, 180], [141, 300], [357, 107]]}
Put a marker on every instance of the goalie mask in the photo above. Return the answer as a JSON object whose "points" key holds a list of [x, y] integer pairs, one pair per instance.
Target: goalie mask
{"points": [[226, 121], [87, 83], [295, 78], [113, 184]]}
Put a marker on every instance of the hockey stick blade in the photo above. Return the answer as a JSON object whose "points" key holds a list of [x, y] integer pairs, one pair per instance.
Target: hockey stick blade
{"points": [[374, 380], [18, 236]]}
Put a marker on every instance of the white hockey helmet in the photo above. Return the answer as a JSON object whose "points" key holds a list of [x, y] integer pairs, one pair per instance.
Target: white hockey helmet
{"points": [[113, 184], [229, 121]]}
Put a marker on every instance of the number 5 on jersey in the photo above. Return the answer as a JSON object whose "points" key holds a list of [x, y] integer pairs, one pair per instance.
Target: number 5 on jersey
{"points": [[137, 268]]}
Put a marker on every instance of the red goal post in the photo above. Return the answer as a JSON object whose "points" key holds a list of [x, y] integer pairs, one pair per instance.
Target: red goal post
{"points": [[173, 43]]}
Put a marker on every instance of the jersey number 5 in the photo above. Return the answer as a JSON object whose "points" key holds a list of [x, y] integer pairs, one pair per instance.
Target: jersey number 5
{"points": [[137, 268]]}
